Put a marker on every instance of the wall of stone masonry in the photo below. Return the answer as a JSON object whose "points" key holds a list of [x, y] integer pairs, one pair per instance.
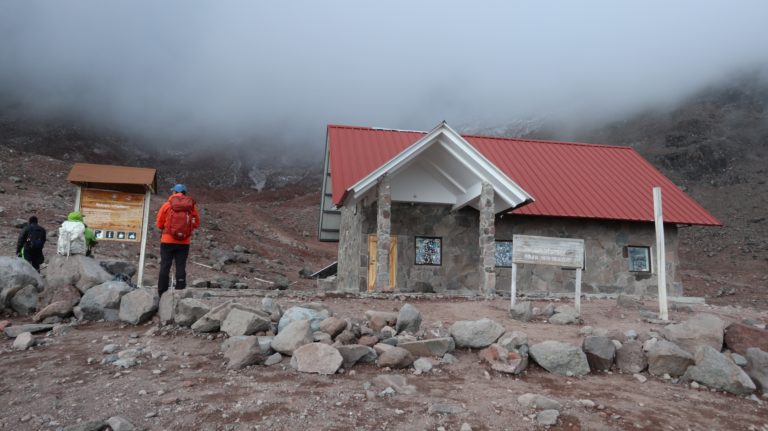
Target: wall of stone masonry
{"points": [[606, 268]]}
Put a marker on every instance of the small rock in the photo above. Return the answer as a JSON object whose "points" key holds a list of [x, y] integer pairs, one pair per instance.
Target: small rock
{"points": [[547, 417], [23, 341], [423, 365], [640, 378]]}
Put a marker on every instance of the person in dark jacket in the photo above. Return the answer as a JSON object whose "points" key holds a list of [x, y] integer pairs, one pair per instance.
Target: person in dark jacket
{"points": [[31, 242]]}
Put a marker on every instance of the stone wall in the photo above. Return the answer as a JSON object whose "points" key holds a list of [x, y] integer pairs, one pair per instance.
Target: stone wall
{"points": [[606, 268]]}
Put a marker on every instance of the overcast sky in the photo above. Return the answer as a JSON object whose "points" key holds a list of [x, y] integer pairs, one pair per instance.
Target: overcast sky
{"points": [[285, 69]]}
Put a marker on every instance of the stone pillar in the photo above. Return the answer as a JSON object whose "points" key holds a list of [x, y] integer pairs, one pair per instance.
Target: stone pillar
{"points": [[487, 237], [383, 231]]}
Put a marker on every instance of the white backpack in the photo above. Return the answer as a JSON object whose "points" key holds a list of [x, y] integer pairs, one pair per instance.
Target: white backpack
{"points": [[71, 238]]}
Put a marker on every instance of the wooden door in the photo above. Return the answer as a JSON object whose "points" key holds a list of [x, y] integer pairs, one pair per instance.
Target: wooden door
{"points": [[372, 242]]}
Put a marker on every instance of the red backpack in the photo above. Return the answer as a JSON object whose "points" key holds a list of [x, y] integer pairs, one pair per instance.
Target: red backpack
{"points": [[179, 220]]}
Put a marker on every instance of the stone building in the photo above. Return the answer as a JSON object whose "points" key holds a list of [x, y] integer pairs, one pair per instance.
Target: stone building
{"points": [[436, 212]]}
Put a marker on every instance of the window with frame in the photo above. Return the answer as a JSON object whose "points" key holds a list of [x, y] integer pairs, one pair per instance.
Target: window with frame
{"points": [[639, 258], [504, 254], [429, 250]]}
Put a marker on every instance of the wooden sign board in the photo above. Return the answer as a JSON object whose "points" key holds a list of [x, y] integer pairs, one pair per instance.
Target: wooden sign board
{"points": [[542, 250], [112, 215]]}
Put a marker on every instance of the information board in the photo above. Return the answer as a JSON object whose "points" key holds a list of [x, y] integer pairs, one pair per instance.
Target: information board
{"points": [[542, 250], [112, 215]]}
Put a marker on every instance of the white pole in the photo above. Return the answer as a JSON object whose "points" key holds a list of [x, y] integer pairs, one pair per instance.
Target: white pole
{"points": [[661, 261], [144, 226], [577, 294], [513, 289], [77, 198]]}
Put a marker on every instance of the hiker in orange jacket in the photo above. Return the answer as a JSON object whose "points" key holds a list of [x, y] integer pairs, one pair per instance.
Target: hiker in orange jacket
{"points": [[177, 218]]}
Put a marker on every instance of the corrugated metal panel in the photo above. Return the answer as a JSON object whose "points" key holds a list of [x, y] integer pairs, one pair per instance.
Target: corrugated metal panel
{"points": [[566, 179]]}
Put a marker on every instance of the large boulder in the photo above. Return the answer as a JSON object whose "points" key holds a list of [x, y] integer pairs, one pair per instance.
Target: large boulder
{"points": [[293, 336], [24, 301], [522, 311], [503, 360], [408, 319], [701, 330], [757, 368], [717, 371], [116, 267], [313, 316], [476, 333], [430, 347], [396, 357], [377, 320], [740, 337], [60, 309], [668, 358], [166, 310], [52, 294], [270, 306], [103, 301], [138, 306], [17, 273], [631, 358], [243, 322], [333, 326], [188, 310], [211, 321], [76, 270], [600, 352], [560, 358], [316, 358], [354, 353], [244, 350]]}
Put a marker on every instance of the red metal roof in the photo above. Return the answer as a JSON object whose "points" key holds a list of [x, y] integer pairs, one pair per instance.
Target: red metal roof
{"points": [[565, 179]]}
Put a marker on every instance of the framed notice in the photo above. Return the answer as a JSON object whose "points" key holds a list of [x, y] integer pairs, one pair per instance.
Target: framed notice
{"points": [[429, 250], [639, 258], [113, 216], [504, 254]]}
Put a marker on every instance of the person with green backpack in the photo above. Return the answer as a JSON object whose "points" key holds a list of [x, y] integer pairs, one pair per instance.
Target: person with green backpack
{"points": [[31, 242], [75, 237]]}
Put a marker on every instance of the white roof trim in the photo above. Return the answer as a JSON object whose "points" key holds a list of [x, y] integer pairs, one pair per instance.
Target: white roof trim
{"points": [[503, 186]]}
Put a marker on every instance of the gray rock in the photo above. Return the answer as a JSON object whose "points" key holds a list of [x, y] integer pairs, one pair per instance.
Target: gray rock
{"points": [[16, 273], [241, 322], [55, 309], [513, 340], [166, 306], [322, 337], [600, 352], [430, 347], [538, 402], [738, 359], [116, 267], [503, 360], [445, 409], [547, 417], [716, 371], [630, 334], [316, 358], [294, 314], [273, 359], [409, 319], [15, 331], [119, 423], [476, 333], [667, 358], [23, 341], [270, 306], [522, 311], [631, 358], [211, 321], [188, 310], [138, 306], [76, 270], [353, 353], [564, 319], [700, 330], [548, 311], [449, 359], [560, 358], [24, 301], [333, 326], [396, 357], [379, 319], [241, 351], [423, 365], [103, 301], [757, 368], [395, 381], [293, 336]]}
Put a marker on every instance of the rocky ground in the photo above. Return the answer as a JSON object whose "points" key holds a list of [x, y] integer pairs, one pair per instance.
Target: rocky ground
{"points": [[183, 383]]}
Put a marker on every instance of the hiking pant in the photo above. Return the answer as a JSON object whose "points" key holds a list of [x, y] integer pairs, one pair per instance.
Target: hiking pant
{"points": [[35, 257], [169, 254]]}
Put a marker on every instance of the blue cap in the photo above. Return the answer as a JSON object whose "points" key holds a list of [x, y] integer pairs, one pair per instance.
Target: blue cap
{"points": [[179, 188]]}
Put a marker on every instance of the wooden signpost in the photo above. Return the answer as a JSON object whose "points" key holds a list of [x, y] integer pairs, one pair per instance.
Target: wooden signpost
{"points": [[566, 253], [115, 203]]}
